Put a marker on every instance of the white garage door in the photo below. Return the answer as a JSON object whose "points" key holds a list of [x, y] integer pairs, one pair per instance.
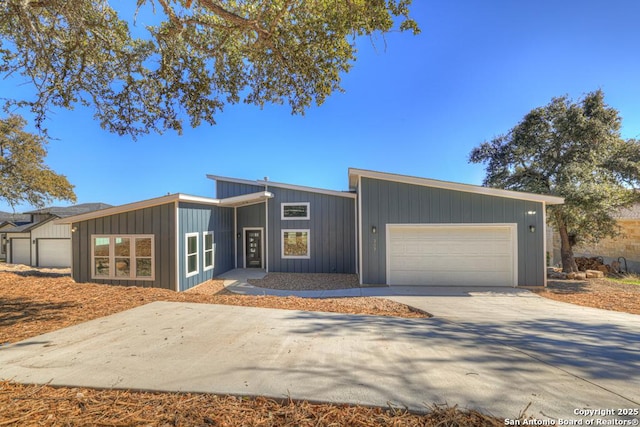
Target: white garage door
{"points": [[54, 252], [451, 255], [21, 251]]}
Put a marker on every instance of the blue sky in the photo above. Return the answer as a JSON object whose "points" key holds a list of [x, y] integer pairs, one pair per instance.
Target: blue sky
{"points": [[413, 105]]}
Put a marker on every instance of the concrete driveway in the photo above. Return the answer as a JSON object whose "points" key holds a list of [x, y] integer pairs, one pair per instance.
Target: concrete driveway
{"points": [[492, 350]]}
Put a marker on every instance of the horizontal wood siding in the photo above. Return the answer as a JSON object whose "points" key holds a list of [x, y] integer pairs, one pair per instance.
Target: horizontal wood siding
{"points": [[157, 220], [386, 202], [332, 232], [195, 218], [226, 189]]}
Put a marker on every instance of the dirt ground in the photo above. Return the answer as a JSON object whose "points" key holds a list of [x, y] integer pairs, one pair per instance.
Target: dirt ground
{"points": [[598, 293], [32, 303]]}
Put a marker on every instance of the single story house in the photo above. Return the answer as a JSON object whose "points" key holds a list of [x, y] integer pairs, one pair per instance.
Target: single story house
{"points": [[387, 228], [40, 242]]}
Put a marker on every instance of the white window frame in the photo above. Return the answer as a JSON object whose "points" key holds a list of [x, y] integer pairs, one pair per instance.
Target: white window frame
{"points": [[301, 230], [187, 254], [132, 256], [206, 267], [300, 218]]}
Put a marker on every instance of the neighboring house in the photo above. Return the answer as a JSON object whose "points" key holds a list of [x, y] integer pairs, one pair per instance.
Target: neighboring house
{"points": [[626, 245], [40, 242], [389, 229]]}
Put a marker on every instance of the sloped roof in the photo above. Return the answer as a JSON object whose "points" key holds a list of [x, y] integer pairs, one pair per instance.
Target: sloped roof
{"points": [[354, 174], [65, 211], [14, 217]]}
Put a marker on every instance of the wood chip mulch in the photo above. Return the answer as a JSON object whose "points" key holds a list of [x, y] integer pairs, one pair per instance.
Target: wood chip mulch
{"points": [[31, 305], [599, 293], [35, 303], [52, 406]]}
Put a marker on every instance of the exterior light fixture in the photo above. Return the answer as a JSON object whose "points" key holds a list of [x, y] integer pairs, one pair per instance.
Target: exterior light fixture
{"points": [[531, 212], [239, 235], [374, 230], [532, 228]]}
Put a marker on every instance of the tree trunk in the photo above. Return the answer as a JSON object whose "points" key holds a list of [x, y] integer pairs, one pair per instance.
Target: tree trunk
{"points": [[566, 251]]}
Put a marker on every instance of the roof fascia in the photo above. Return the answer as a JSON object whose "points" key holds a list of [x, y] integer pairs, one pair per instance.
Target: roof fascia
{"points": [[246, 199], [448, 185], [135, 206]]}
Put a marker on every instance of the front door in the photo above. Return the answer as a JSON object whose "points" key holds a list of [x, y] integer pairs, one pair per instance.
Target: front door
{"points": [[253, 248]]}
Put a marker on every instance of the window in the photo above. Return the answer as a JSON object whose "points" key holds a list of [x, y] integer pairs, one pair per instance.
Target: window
{"points": [[292, 211], [207, 250], [191, 244], [295, 243], [125, 257]]}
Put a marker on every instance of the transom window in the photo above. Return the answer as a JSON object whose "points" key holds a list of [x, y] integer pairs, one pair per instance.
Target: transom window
{"points": [[207, 250], [295, 244], [293, 211], [191, 245], [122, 257]]}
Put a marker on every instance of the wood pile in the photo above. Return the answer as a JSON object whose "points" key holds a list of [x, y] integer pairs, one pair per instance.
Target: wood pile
{"points": [[592, 263]]}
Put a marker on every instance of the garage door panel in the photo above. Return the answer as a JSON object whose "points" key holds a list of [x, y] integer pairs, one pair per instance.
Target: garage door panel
{"points": [[464, 255], [21, 251], [54, 253]]}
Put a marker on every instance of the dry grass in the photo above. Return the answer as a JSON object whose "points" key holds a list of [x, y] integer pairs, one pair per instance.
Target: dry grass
{"points": [[599, 293]]}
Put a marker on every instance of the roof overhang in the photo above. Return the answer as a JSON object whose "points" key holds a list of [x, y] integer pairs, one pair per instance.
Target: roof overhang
{"points": [[245, 199], [171, 198], [266, 184], [354, 174]]}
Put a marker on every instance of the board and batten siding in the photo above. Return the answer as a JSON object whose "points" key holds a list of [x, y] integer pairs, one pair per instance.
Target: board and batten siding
{"points": [[332, 231], [195, 218], [157, 220], [386, 202], [226, 189]]}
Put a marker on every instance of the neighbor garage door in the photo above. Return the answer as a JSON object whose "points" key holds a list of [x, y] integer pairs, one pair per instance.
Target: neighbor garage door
{"points": [[451, 255], [54, 252], [21, 251]]}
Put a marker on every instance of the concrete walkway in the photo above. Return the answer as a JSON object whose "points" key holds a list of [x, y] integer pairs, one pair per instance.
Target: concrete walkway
{"points": [[496, 350]]}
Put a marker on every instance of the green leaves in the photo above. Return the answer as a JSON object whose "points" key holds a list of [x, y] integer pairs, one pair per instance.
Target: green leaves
{"points": [[23, 175], [573, 150], [201, 55]]}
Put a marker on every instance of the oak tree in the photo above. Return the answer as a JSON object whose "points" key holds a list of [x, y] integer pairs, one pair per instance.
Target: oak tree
{"points": [[24, 178], [192, 57], [573, 150]]}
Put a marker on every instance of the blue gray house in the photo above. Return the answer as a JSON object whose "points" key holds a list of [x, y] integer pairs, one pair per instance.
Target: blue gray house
{"points": [[387, 228]]}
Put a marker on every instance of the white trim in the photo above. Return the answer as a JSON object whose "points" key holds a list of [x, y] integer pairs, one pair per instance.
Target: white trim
{"points": [[259, 183], [295, 230], [246, 199], [205, 250], [132, 256], [137, 205], [187, 254], [512, 226], [176, 224], [447, 185], [244, 242], [300, 218]]}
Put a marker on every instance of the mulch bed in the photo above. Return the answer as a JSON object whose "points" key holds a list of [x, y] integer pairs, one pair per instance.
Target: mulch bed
{"points": [[34, 303], [599, 293], [31, 305], [52, 406], [306, 281]]}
